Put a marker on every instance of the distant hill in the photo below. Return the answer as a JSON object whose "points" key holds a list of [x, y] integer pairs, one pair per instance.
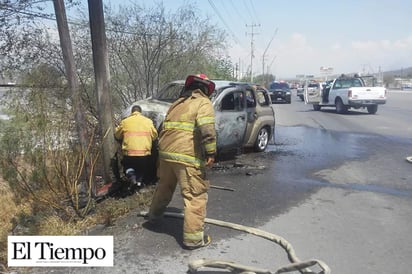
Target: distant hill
{"points": [[404, 72]]}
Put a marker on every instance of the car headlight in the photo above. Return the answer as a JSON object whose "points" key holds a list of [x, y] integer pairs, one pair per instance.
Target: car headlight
{"points": [[287, 92]]}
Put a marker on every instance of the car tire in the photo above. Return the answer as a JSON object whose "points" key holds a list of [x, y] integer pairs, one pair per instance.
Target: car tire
{"points": [[340, 107], [316, 107], [372, 109], [262, 139]]}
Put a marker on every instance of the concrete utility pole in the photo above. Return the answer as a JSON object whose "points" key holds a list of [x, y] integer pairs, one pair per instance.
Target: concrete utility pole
{"points": [[251, 49], [102, 76], [271, 63], [264, 54], [73, 81]]}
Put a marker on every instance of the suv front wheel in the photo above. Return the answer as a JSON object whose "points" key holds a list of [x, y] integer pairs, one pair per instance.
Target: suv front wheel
{"points": [[262, 139]]}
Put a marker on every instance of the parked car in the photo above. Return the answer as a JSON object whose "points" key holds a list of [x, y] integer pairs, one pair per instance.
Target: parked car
{"points": [[314, 87], [244, 116], [300, 90], [280, 91]]}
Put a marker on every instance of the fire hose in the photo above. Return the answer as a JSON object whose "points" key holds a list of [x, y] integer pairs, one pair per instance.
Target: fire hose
{"points": [[295, 265]]}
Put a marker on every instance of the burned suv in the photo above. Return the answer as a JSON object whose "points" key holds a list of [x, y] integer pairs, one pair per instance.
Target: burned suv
{"points": [[280, 91], [244, 116]]}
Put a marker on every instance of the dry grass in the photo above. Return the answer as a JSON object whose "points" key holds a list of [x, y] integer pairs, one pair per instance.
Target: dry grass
{"points": [[7, 213], [48, 222]]}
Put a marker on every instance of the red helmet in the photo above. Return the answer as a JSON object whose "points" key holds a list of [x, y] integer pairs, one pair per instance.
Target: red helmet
{"points": [[200, 78]]}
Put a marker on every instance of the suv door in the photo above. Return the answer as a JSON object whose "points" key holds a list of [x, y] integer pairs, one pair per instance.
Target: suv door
{"points": [[252, 115], [230, 117], [261, 119]]}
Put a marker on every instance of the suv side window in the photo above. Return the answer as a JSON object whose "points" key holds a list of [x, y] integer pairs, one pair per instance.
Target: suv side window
{"points": [[250, 99], [233, 101], [228, 102], [356, 83], [262, 98], [337, 84], [239, 100]]}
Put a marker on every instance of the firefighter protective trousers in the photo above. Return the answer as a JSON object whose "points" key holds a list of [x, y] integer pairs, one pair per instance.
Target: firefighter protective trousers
{"points": [[193, 187]]}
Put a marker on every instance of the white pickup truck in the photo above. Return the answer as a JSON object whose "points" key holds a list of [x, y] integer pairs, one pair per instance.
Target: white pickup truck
{"points": [[347, 92]]}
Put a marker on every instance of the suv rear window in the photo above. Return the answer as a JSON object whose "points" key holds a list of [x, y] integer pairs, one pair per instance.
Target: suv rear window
{"points": [[277, 85], [313, 85]]}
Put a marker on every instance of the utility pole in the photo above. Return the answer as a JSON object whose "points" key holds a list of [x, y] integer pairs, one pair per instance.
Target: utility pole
{"points": [[236, 71], [264, 53], [251, 48], [73, 81], [270, 65], [102, 78]]}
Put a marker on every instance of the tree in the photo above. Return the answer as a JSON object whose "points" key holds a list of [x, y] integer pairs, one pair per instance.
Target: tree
{"points": [[264, 79], [23, 37], [150, 47]]}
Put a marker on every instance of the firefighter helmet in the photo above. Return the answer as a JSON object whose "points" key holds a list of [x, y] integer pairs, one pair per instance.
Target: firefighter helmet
{"points": [[202, 79]]}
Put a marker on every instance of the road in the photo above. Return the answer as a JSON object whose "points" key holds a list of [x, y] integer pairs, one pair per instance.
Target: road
{"points": [[336, 187], [360, 222], [393, 118]]}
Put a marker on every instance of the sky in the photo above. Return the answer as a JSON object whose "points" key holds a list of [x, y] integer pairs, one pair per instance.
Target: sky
{"points": [[310, 37]]}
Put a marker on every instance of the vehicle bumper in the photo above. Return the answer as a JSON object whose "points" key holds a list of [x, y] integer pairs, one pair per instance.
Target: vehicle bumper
{"points": [[364, 103], [276, 97]]}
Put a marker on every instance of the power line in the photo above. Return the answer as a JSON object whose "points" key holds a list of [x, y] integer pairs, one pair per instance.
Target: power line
{"points": [[29, 13], [254, 11], [237, 11], [223, 21], [53, 18], [248, 9]]}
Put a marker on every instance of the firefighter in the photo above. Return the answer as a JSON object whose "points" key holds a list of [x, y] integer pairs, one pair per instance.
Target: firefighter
{"points": [[137, 134], [187, 144]]}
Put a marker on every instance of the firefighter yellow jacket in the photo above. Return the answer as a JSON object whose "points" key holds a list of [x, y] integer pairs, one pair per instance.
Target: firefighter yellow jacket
{"points": [[188, 134], [137, 133]]}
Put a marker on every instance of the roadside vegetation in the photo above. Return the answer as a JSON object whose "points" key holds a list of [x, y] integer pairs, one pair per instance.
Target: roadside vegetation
{"points": [[45, 188]]}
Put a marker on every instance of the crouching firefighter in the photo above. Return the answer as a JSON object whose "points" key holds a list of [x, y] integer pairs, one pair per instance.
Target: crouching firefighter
{"points": [[187, 144], [137, 135]]}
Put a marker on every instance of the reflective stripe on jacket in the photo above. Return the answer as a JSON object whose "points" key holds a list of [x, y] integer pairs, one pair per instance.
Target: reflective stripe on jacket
{"points": [[137, 133], [188, 134]]}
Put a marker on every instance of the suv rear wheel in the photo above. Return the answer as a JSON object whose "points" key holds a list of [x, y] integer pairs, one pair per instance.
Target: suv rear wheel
{"points": [[262, 139]]}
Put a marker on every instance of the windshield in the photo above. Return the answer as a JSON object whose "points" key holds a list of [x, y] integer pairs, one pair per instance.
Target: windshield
{"points": [[277, 85], [170, 92]]}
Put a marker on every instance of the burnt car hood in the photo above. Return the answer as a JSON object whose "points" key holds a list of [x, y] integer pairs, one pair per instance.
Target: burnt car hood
{"points": [[152, 108]]}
